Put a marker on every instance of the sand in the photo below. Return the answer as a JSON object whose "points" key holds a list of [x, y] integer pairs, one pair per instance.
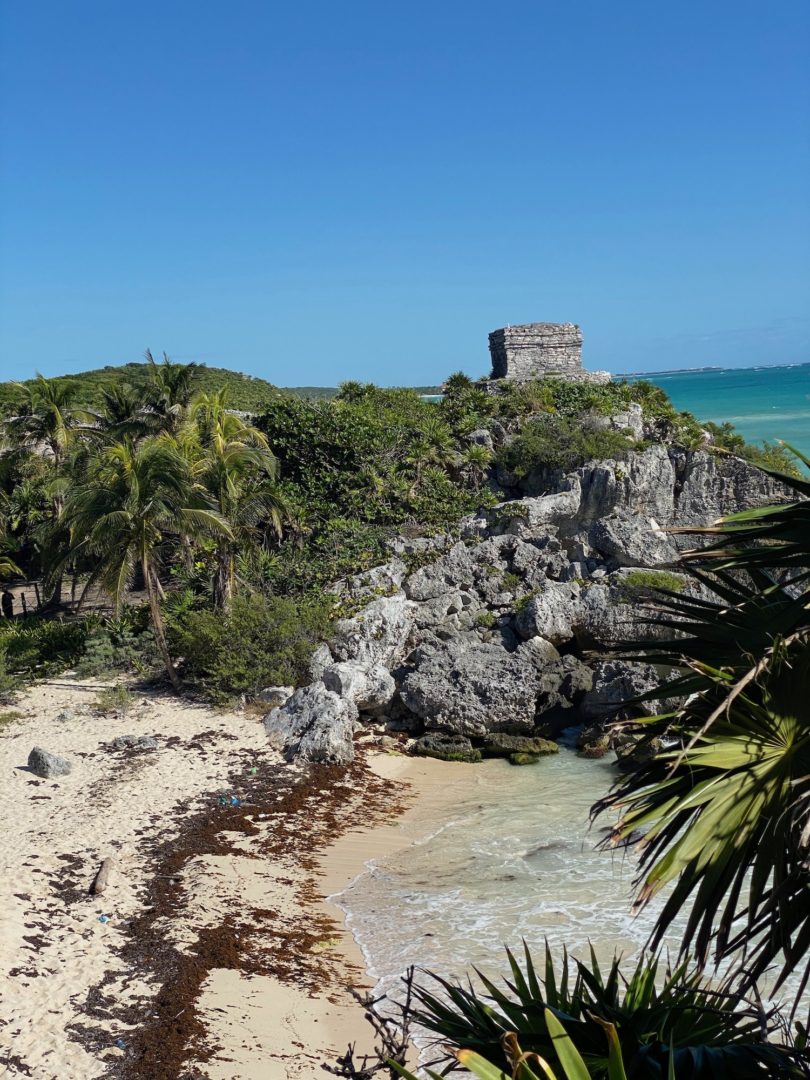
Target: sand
{"points": [[69, 997]]}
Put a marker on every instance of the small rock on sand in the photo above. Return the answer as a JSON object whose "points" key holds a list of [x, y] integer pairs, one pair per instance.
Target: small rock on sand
{"points": [[47, 765]]}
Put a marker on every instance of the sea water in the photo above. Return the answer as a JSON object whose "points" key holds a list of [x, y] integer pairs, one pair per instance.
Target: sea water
{"points": [[514, 857], [763, 404]]}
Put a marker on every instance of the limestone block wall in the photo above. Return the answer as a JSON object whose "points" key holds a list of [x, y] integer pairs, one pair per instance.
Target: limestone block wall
{"points": [[536, 349]]}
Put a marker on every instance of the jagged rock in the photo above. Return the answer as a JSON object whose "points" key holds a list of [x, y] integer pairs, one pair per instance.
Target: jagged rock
{"points": [[277, 695], [321, 659], [43, 763], [616, 682], [134, 742], [538, 559], [631, 419], [315, 724], [551, 613], [559, 508], [632, 541], [386, 578], [635, 748], [712, 486], [499, 744], [470, 689], [522, 758], [452, 571], [437, 744], [368, 688], [481, 437], [377, 634], [605, 618], [539, 652]]}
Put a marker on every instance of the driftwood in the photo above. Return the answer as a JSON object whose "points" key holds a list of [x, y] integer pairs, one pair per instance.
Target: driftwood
{"points": [[393, 1037], [102, 878]]}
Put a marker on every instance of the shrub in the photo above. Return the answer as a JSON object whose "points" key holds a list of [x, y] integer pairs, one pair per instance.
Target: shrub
{"points": [[565, 443], [115, 645], [260, 642], [39, 646], [485, 619], [115, 699], [511, 582]]}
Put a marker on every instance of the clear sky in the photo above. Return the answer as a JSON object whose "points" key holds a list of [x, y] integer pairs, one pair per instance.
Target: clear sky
{"points": [[316, 191]]}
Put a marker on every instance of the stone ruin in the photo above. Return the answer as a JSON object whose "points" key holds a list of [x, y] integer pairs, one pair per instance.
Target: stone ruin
{"points": [[539, 350]]}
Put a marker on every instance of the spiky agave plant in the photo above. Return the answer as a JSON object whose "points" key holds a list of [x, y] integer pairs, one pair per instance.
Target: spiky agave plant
{"points": [[662, 1020]]}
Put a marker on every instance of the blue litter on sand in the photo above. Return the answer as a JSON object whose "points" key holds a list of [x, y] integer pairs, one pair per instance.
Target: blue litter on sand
{"points": [[103, 918], [120, 1044], [235, 801]]}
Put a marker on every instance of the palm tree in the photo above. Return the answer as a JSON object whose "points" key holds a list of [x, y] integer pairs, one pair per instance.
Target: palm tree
{"points": [[124, 412], [47, 419], [134, 500], [725, 813], [233, 462], [168, 392]]}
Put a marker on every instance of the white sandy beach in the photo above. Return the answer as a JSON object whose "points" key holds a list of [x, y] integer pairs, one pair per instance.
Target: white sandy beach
{"points": [[58, 943]]}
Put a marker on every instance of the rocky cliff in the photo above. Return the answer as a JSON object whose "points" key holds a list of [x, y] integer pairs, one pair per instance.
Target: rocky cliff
{"points": [[502, 627]]}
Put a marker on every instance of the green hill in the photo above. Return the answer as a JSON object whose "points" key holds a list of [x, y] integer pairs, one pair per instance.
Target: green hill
{"points": [[247, 393]]}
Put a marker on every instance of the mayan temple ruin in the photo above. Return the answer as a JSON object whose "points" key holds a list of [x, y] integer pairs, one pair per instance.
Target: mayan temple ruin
{"points": [[537, 350]]}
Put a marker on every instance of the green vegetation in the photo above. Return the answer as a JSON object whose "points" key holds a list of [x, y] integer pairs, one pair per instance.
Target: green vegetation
{"points": [[562, 443], [246, 393], [9, 717], [662, 1020], [260, 641], [569, 430], [485, 619], [114, 699], [647, 580]]}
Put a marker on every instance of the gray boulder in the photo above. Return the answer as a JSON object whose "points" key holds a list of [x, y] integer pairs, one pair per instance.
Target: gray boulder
{"points": [[481, 437], [276, 695], [470, 689], [499, 744], [43, 763], [438, 744], [377, 634], [552, 613], [451, 572], [632, 540], [616, 682], [368, 688], [315, 724], [321, 659], [630, 420]]}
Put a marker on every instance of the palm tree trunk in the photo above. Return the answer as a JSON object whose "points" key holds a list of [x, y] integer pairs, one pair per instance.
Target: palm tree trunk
{"points": [[157, 626], [223, 580]]}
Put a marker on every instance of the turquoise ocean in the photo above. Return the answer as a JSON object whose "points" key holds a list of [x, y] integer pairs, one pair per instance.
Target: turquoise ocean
{"points": [[763, 403]]}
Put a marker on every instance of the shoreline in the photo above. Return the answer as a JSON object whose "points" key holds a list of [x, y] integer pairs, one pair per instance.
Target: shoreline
{"points": [[324, 1024]]}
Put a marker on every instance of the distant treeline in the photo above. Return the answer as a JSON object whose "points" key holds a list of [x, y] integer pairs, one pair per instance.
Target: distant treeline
{"points": [[246, 393]]}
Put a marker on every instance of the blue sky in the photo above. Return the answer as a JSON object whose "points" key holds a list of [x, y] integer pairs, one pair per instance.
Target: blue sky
{"points": [[323, 191]]}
